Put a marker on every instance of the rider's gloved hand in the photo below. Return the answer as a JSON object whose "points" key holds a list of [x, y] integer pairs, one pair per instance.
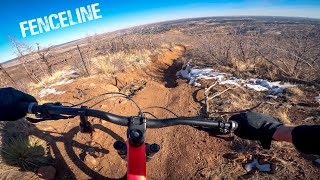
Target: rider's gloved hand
{"points": [[256, 126], [10, 104]]}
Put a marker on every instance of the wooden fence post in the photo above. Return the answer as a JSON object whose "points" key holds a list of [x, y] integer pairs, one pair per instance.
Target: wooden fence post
{"points": [[84, 64]]}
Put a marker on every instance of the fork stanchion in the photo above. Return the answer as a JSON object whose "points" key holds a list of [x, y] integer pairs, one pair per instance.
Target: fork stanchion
{"points": [[121, 148], [151, 150]]}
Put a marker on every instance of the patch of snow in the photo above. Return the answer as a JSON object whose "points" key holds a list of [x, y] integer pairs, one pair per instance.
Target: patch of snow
{"points": [[49, 90], [184, 72], [62, 82], [276, 87], [318, 98], [272, 96], [255, 164], [193, 75], [66, 75], [256, 87], [69, 72], [231, 81], [255, 84]]}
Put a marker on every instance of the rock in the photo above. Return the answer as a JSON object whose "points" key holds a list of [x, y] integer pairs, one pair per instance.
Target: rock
{"points": [[47, 172], [91, 160], [16, 174], [214, 177], [111, 88], [249, 175], [205, 173], [231, 155]]}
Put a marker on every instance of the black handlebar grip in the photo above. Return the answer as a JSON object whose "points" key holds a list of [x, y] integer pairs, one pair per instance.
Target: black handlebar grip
{"points": [[27, 107]]}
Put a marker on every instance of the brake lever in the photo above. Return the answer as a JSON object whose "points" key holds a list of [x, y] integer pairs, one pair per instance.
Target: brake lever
{"points": [[45, 115], [54, 117]]}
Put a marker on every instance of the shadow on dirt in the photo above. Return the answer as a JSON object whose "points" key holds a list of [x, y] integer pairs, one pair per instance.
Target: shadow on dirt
{"points": [[69, 144], [169, 74], [201, 100], [166, 73], [24, 129]]}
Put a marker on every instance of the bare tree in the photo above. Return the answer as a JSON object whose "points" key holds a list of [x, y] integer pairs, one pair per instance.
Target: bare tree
{"points": [[213, 48], [43, 55], [295, 54], [21, 50]]}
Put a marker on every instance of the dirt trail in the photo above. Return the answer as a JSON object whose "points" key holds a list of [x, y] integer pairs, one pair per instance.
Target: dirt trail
{"points": [[186, 153]]}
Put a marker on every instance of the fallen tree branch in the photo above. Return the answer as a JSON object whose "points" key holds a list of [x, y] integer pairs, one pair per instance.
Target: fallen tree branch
{"points": [[241, 111], [118, 80], [134, 91], [209, 88], [220, 93]]}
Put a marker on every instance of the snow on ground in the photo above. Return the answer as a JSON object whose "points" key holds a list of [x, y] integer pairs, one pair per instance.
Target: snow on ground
{"points": [[255, 164], [65, 81], [70, 72], [318, 98], [51, 90], [255, 84], [195, 74]]}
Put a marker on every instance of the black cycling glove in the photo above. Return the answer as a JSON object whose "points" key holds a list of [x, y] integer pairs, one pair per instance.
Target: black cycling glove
{"points": [[10, 104], [256, 126]]}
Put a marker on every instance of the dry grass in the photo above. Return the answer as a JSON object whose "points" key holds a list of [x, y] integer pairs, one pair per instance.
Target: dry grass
{"points": [[234, 100], [296, 91], [4, 82], [242, 65], [165, 46], [102, 64], [9, 129], [283, 115], [118, 62], [57, 76], [250, 68], [47, 80]]}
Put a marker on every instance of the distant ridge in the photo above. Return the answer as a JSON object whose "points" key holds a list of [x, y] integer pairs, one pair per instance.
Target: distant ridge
{"points": [[177, 21]]}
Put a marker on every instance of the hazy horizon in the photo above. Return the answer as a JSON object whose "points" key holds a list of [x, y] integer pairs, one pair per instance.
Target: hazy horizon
{"points": [[121, 29]]}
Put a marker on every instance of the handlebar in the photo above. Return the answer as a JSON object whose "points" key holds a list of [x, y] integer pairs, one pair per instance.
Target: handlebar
{"points": [[50, 109]]}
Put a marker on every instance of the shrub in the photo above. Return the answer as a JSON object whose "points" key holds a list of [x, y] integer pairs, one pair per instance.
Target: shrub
{"points": [[26, 153]]}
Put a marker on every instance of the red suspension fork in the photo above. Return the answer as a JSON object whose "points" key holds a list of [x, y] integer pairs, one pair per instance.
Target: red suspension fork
{"points": [[136, 149], [136, 157]]}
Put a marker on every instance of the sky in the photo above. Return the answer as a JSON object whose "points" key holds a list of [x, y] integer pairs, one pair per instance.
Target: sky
{"points": [[119, 14]]}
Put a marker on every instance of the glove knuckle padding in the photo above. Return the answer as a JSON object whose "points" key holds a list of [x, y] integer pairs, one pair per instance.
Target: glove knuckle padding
{"points": [[10, 99], [256, 126]]}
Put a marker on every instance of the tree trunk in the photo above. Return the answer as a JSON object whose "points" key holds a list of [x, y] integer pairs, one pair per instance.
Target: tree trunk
{"points": [[8, 75]]}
